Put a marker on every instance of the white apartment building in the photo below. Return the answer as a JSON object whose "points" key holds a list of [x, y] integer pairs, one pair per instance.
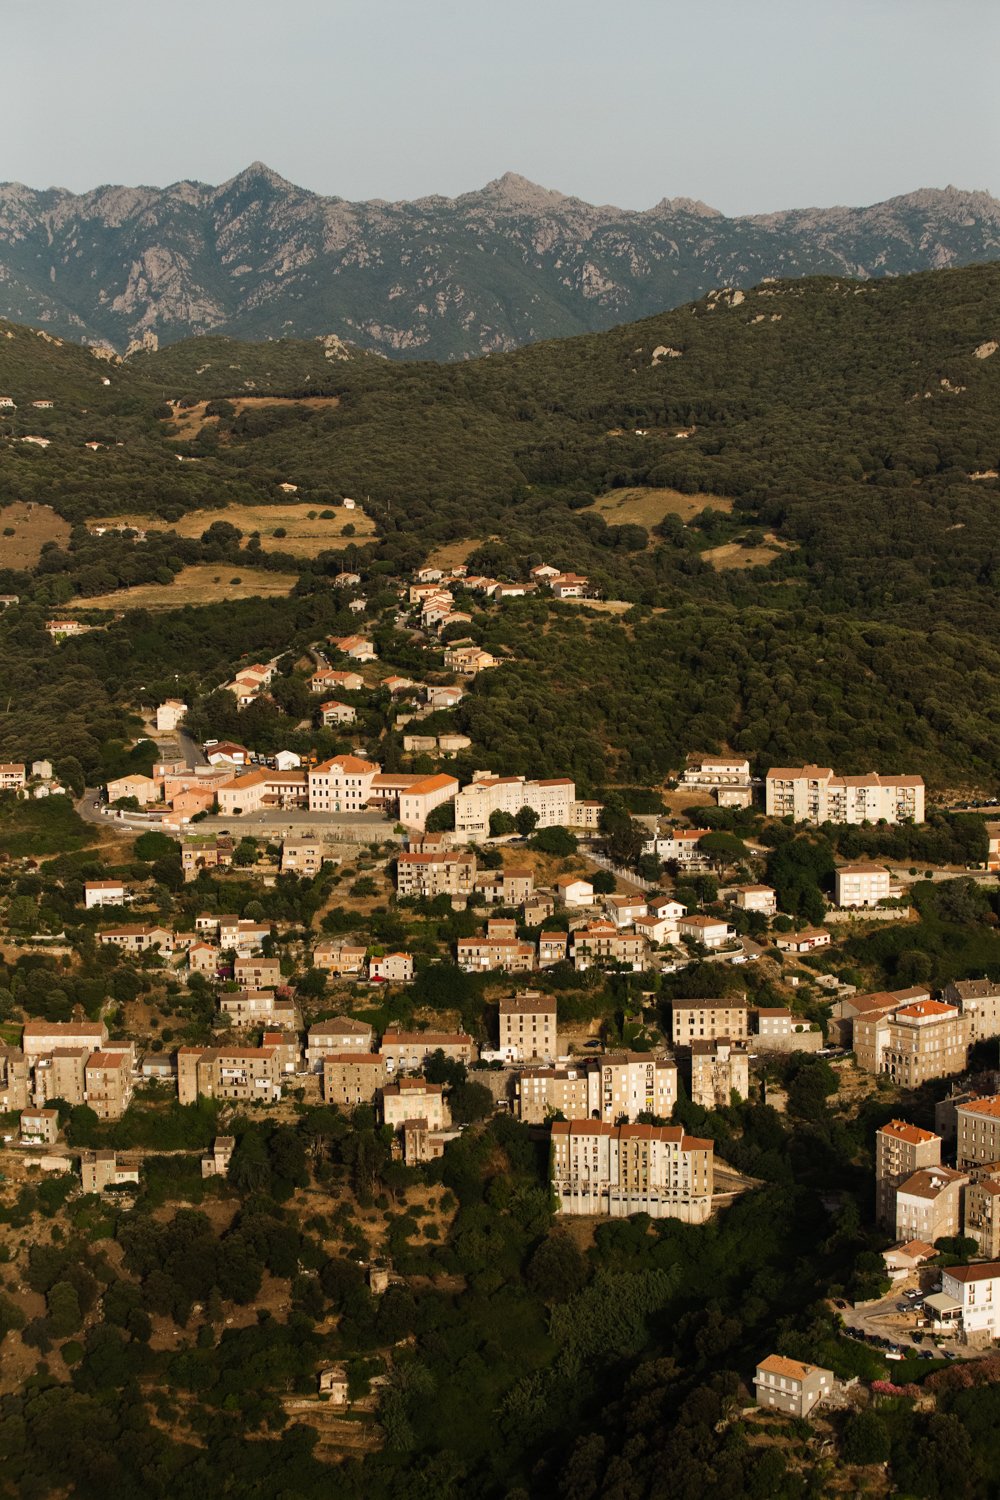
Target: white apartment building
{"points": [[816, 794], [103, 893], [553, 800], [760, 898], [716, 770], [969, 1301], [861, 885]]}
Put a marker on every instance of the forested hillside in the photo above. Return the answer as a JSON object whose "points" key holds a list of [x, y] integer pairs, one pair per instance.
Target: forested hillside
{"points": [[796, 490]]}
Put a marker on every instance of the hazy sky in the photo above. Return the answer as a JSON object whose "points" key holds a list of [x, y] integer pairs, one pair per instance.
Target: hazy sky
{"points": [[749, 104]]}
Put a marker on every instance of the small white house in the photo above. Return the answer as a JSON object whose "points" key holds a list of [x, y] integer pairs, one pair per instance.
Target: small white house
{"points": [[287, 760], [103, 893], [572, 891]]}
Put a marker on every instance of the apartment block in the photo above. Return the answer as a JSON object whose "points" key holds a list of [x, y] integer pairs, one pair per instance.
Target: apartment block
{"points": [[391, 968], [108, 1084], [528, 1027], [488, 954], [861, 885], [921, 1042], [601, 943], [301, 859], [901, 1149], [969, 1301], [62, 1075], [242, 1074], [353, 1078], [979, 999], [719, 1069], [709, 1020], [552, 800], [339, 1035], [41, 1038], [572, 1092], [635, 1083], [433, 873], [759, 898], [257, 973], [620, 1170], [982, 1211], [408, 1051], [816, 794], [716, 770], [39, 1127], [978, 1122], [929, 1204], [788, 1385], [415, 1099], [552, 948]]}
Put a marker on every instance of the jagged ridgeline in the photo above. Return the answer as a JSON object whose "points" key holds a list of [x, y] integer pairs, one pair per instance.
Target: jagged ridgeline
{"points": [[795, 486], [441, 278]]}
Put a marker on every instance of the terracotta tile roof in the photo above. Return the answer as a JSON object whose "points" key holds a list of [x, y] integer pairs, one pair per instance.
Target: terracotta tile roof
{"points": [[902, 1130], [989, 1107], [791, 1369], [986, 1271]]}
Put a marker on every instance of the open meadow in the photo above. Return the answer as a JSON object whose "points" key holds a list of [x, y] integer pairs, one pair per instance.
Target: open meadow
{"points": [[204, 583], [308, 529]]}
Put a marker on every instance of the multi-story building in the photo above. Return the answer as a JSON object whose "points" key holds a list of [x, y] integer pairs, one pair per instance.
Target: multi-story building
{"points": [[408, 1051], [978, 1122], [301, 859], [552, 948], [901, 1149], [391, 968], [39, 1127], [627, 1169], [815, 794], [342, 785], [779, 1030], [847, 1011], [352, 1078], [41, 1038], [335, 1037], [257, 973], [788, 1385], [242, 1074], [513, 886], [435, 873], [981, 1221], [969, 1301], [600, 943], [861, 885], [573, 1093], [417, 801], [13, 776], [104, 1169], [62, 1075], [488, 954], [337, 957], [13, 1081], [528, 1027], [719, 1069], [979, 999], [415, 1099], [108, 1084], [929, 1204], [262, 789], [103, 893], [248, 1008], [716, 770], [635, 1083], [551, 800], [759, 898], [914, 1043], [709, 1020], [710, 932]]}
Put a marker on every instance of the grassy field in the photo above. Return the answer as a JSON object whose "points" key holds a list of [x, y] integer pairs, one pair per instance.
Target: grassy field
{"points": [[33, 525], [188, 421], [205, 583], [647, 507], [735, 555], [307, 534], [452, 554]]}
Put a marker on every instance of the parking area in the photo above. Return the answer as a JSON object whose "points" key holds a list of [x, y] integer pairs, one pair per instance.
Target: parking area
{"points": [[893, 1326]]}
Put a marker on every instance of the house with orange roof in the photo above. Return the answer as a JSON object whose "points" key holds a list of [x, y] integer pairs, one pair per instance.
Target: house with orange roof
{"points": [[790, 1386], [357, 647]]}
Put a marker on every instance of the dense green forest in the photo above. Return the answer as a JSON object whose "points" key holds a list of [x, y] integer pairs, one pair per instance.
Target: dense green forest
{"points": [[846, 420]]}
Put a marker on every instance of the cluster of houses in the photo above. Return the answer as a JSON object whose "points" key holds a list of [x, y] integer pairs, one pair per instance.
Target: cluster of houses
{"points": [[912, 1037], [36, 780], [73, 1061]]}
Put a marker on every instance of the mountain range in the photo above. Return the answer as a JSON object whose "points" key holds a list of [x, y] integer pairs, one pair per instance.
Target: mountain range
{"points": [[439, 278]]}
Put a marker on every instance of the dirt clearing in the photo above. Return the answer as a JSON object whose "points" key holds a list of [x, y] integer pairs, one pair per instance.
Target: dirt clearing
{"points": [[309, 529], [205, 583], [33, 526], [647, 507], [187, 421], [735, 555], [451, 555]]}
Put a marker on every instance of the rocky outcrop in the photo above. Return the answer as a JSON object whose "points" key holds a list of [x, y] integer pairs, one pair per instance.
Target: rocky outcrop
{"points": [[258, 257]]}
